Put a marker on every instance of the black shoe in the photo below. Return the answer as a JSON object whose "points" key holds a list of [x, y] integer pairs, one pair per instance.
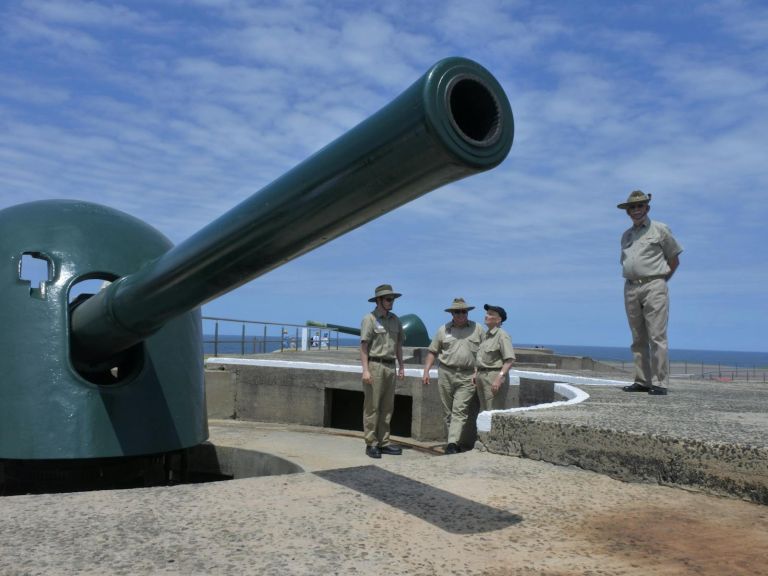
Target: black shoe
{"points": [[657, 391], [373, 451], [635, 388], [452, 449], [391, 449]]}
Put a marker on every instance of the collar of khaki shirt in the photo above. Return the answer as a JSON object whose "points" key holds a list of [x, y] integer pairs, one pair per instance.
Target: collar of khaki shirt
{"points": [[644, 224]]}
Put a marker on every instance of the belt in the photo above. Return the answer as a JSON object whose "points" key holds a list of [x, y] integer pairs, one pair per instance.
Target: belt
{"points": [[453, 368], [381, 360], [489, 369], [646, 279]]}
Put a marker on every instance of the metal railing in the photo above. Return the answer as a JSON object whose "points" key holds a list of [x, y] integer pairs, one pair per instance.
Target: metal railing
{"points": [[230, 336], [704, 371]]}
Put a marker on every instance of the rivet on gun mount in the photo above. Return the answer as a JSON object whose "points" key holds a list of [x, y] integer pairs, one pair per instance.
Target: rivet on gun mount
{"points": [[120, 373]]}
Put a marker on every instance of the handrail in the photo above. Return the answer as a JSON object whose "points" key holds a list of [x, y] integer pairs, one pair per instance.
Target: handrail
{"points": [[273, 337], [287, 336]]}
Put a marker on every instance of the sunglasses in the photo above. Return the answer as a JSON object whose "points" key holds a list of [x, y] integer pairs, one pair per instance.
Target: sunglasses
{"points": [[634, 206], [388, 299], [459, 312]]}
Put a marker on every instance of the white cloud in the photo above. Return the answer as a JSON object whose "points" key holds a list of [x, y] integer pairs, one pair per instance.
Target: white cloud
{"points": [[177, 111], [28, 30]]}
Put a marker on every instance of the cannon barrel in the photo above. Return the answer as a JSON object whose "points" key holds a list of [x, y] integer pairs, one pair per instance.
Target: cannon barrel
{"points": [[413, 328], [453, 122], [338, 327]]}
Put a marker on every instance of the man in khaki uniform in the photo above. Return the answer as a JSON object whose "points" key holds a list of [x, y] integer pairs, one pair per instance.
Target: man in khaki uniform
{"points": [[455, 345], [381, 343], [649, 258], [494, 359]]}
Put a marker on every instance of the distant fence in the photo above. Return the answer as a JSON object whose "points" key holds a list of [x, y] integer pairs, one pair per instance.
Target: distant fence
{"points": [[704, 371], [229, 336], [233, 337]]}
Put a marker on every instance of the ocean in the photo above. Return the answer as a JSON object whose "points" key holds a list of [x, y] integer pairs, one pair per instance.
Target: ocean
{"points": [[228, 344]]}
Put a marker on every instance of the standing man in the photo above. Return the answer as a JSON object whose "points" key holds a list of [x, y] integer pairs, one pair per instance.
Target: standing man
{"points": [[494, 359], [381, 342], [455, 345], [649, 258]]}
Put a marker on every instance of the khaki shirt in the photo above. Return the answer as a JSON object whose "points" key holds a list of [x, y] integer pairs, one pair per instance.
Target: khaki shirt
{"points": [[456, 347], [382, 333], [646, 249], [495, 349]]}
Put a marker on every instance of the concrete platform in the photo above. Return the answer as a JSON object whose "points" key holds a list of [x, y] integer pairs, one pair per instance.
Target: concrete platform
{"points": [[703, 435], [706, 435], [424, 513], [418, 514]]}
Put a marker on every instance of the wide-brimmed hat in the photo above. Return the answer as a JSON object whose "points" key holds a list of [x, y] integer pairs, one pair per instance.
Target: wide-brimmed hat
{"points": [[636, 197], [459, 304], [499, 310], [384, 290]]}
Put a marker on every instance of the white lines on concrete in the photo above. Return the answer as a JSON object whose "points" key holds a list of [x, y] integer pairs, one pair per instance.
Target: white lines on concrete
{"points": [[572, 394], [564, 386]]}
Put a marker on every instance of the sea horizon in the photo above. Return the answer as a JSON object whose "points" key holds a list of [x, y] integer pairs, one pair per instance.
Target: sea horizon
{"points": [[232, 344]]}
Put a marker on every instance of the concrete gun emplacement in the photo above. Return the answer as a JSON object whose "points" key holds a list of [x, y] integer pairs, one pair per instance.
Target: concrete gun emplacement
{"points": [[120, 373]]}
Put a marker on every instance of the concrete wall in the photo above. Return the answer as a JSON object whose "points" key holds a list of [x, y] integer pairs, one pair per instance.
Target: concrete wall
{"points": [[220, 388], [547, 359], [718, 468], [532, 392], [298, 396]]}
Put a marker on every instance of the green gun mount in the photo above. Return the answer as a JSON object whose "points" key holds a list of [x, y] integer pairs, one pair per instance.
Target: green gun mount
{"points": [[120, 373], [414, 329]]}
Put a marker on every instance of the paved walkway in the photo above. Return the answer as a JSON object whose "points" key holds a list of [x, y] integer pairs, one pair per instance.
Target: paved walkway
{"points": [[418, 514]]}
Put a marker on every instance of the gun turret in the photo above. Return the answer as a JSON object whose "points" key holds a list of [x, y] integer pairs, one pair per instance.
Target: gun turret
{"points": [[120, 373]]}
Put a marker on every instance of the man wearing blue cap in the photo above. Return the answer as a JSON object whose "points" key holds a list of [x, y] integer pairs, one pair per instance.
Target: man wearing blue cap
{"points": [[494, 359]]}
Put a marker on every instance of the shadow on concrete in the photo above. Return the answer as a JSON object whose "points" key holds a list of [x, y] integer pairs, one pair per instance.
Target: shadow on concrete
{"points": [[447, 511]]}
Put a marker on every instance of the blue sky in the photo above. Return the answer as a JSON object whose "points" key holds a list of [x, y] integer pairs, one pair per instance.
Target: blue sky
{"points": [[176, 111]]}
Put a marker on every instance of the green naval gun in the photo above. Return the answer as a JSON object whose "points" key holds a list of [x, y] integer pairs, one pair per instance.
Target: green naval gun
{"points": [[119, 373]]}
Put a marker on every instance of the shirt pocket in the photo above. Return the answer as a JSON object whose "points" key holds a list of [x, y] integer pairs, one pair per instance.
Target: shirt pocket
{"points": [[490, 355], [651, 240]]}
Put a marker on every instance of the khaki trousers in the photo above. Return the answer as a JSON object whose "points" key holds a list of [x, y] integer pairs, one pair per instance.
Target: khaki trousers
{"points": [[378, 403], [489, 401], [647, 307], [456, 395]]}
